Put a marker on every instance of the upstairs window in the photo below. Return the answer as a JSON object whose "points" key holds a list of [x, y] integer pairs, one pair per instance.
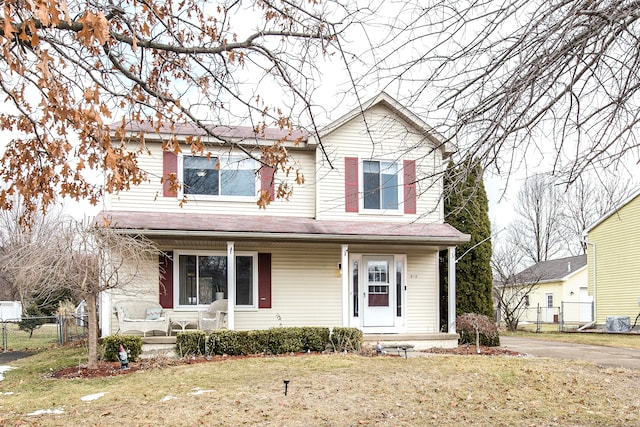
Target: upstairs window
{"points": [[216, 176], [380, 185]]}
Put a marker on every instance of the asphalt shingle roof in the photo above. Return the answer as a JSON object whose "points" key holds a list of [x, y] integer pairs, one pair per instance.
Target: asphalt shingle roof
{"points": [[552, 270], [277, 227]]}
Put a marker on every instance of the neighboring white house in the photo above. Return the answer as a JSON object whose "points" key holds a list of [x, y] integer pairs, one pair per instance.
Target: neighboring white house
{"points": [[357, 244], [10, 310], [560, 292]]}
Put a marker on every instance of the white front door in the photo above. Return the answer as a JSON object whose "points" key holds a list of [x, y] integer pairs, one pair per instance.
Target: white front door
{"points": [[378, 280]]}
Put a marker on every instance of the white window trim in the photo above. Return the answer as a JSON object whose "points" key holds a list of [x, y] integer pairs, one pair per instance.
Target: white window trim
{"points": [[200, 307], [207, 197], [386, 212]]}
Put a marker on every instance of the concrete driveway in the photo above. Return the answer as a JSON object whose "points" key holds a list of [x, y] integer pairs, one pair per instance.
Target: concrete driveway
{"points": [[598, 355]]}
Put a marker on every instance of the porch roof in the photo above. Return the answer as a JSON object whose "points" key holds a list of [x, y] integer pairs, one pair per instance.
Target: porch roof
{"points": [[252, 227]]}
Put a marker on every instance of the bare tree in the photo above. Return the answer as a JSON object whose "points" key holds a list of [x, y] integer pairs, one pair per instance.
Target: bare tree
{"points": [[550, 217], [97, 259], [86, 260], [590, 197], [537, 229], [517, 80], [27, 254], [511, 290]]}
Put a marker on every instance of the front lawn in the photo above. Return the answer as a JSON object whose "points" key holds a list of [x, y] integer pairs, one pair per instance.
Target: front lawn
{"points": [[336, 389]]}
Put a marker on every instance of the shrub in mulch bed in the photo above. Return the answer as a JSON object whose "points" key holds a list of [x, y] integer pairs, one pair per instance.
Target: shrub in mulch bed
{"points": [[467, 349], [470, 324]]}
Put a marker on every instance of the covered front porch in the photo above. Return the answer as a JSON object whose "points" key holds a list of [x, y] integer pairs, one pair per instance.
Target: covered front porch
{"points": [[382, 278]]}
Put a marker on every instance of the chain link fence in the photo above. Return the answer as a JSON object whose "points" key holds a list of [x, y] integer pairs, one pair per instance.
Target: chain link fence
{"points": [[35, 332], [573, 315], [568, 317]]}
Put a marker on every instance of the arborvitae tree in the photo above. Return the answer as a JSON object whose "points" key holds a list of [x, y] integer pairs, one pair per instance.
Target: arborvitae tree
{"points": [[466, 207]]}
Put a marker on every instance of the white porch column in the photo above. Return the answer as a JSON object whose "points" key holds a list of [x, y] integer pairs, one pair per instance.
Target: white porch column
{"points": [[231, 284], [452, 290], [105, 314], [344, 272]]}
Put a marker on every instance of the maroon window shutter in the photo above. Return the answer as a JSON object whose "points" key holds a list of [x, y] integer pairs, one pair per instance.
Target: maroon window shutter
{"points": [[166, 280], [351, 184], [266, 180], [410, 187], [264, 280], [169, 166]]}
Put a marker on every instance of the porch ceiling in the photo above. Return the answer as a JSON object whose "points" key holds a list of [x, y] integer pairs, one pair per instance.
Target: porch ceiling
{"points": [[207, 228]]}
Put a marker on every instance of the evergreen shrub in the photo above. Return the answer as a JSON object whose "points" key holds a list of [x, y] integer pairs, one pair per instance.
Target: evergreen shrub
{"points": [[111, 347], [191, 343], [314, 338]]}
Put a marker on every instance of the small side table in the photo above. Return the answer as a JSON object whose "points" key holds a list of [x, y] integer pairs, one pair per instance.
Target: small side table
{"points": [[183, 323]]}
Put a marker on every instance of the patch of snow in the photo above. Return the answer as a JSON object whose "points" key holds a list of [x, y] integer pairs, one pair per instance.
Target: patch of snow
{"points": [[167, 398], [6, 393], [198, 391], [91, 397], [4, 369], [58, 411]]}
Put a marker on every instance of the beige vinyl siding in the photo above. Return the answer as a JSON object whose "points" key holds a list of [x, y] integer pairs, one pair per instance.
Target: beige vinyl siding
{"points": [[422, 292], [143, 286], [307, 289], [617, 241], [390, 139], [148, 195]]}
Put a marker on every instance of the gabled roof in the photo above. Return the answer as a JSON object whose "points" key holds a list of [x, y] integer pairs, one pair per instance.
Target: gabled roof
{"points": [[397, 108], [553, 270], [249, 227], [612, 211]]}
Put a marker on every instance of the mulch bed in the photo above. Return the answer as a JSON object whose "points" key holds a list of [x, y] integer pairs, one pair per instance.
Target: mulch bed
{"points": [[470, 350], [110, 369]]}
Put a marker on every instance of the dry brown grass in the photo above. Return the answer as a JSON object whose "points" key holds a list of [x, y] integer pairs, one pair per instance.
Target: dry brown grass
{"points": [[336, 390]]}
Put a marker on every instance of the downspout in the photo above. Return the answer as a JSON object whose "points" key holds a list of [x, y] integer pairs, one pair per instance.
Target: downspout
{"points": [[595, 318]]}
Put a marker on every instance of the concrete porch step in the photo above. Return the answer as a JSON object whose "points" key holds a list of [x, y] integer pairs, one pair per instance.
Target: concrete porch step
{"points": [[411, 342]]}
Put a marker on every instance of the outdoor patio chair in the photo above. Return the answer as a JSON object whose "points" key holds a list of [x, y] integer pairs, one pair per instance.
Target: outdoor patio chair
{"points": [[215, 317]]}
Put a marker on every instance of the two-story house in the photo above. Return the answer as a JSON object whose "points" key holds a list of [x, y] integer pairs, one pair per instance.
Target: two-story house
{"points": [[612, 259], [356, 245]]}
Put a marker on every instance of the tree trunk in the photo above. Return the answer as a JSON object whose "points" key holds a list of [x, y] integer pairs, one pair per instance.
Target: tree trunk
{"points": [[92, 318]]}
